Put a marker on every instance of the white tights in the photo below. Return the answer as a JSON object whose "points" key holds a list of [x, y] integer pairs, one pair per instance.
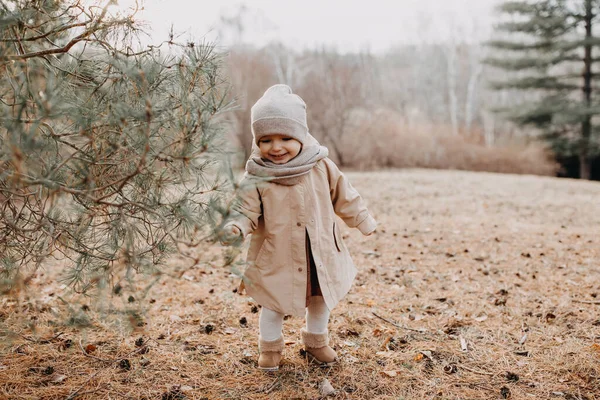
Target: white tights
{"points": [[270, 322]]}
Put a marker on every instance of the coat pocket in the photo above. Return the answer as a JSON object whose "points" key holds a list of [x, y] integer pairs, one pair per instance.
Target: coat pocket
{"points": [[335, 239]]}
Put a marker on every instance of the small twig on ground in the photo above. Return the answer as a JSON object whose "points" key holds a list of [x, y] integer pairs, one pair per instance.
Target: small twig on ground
{"points": [[585, 301], [45, 341], [273, 385], [401, 326], [477, 371], [103, 386], [74, 394], [118, 358]]}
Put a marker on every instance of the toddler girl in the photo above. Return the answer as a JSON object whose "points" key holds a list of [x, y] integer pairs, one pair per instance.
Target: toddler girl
{"points": [[290, 194]]}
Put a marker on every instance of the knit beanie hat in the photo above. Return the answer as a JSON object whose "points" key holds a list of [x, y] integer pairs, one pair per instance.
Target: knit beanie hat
{"points": [[279, 111]]}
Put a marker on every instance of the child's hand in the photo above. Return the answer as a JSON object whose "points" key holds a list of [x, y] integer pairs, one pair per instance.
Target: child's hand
{"points": [[229, 235]]}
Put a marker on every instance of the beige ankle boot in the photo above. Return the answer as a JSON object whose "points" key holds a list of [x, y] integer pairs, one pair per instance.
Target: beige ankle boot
{"points": [[270, 354], [317, 348]]}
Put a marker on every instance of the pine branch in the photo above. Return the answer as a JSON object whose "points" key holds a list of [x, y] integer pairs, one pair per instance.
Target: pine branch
{"points": [[517, 7], [542, 83], [518, 64], [545, 44], [45, 35], [542, 45], [66, 47], [553, 26], [105, 146]]}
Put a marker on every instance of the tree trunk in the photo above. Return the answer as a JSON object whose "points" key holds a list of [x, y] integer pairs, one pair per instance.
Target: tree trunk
{"points": [[451, 76], [489, 126], [586, 125], [476, 69]]}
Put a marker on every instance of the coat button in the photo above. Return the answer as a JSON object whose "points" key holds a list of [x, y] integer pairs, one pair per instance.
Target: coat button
{"points": [[299, 223], [300, 269]]}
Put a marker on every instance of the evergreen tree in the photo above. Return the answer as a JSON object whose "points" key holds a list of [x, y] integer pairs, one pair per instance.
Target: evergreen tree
{"points": [[551, 44], [108, 154]]}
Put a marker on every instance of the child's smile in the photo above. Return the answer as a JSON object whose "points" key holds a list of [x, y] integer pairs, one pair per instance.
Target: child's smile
{"points": [[279, 148]]}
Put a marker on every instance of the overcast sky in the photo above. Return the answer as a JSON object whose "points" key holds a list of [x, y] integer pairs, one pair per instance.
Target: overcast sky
{"points": [[348, 25]]}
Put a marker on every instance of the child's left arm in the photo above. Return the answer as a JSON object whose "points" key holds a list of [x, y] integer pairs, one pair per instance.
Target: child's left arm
{"points": [[347, 202]]}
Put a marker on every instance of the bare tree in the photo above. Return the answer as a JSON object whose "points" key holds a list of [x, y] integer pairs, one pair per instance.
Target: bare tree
{"points": [[250, 73], [451, 74], [332, 90]]}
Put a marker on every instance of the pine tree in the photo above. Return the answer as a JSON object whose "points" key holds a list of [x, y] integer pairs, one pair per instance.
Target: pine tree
{"points": [[109, 152], [550, 44]]}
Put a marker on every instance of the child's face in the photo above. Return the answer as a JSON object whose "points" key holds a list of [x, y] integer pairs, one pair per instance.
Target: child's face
{"points": [[279, 148]]}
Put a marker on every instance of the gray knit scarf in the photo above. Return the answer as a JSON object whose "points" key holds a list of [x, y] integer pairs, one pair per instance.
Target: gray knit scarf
{"points": [[291, 172]]}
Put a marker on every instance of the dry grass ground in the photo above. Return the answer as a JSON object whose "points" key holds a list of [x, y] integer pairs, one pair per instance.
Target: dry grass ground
{"points": [[492, 282]]}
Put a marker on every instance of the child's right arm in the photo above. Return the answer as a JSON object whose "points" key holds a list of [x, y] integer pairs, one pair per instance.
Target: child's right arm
{"points": [[245, 212]]}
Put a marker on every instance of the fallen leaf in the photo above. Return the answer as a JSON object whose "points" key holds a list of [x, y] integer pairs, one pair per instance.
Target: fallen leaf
{"points": [[596, 347], [59, 378], [349, 332], [90, 348], [230, 331], [351, 359], [481, 318], [326, 389], [523, 339], [419, 357], [289, 342], [391, 374], [463, 344]]}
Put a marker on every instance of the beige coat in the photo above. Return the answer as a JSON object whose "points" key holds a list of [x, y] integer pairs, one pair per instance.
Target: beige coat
{"points": [[279, 216]]}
